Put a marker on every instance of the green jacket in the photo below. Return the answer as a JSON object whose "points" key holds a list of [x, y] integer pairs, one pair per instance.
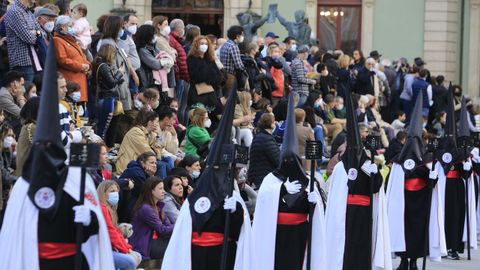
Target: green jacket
{"points": [[199, 136]]}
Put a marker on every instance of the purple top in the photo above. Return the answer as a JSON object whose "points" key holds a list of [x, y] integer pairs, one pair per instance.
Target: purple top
{"points": [[145, 221]]}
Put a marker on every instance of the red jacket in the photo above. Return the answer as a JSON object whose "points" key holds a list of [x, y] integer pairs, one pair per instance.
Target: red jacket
{"points": [[181, 73], [116, 237]]}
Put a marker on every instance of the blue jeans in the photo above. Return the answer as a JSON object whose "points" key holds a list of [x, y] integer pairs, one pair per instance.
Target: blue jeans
{"points": [[179, 88], [302, 98], [318, 133], [124, 261], [164, 166], [28, 72]]}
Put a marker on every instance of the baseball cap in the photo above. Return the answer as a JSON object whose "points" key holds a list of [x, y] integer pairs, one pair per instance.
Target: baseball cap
{"points": [[271, 35]]}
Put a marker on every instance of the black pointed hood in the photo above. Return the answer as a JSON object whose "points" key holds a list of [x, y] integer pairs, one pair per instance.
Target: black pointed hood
{"points": [[45, 167], [413, 148], [212, 186], [448, 151], [290, 164], [354, 154]]}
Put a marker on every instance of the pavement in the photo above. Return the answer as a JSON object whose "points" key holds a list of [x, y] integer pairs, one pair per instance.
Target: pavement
{"points": [[446, 264]]}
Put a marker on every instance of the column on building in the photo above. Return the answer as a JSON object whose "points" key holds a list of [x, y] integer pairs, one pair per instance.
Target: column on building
{"points": [[474, 51], [441, 37], [367, 25]]}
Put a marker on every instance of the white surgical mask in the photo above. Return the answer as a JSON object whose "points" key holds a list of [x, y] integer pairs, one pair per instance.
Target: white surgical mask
{"points": [[8, 141], [242, 38], [132, 29], [294, 47], [251, 103], [138, 104], [48, 26], [340, 107], [203, 48], [195, 174], [113, 198], [154, 40], [207, 123], [166, 30], [76, 96]]}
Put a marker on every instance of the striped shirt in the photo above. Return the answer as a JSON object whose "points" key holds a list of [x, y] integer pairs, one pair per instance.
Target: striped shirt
{"points": [[300, 82], [230, 57], [20, 22]]}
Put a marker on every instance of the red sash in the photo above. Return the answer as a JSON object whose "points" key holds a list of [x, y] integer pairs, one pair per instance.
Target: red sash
{"points": [[291, 218], [56, 250], [207, 239], [415, 184], [453, 175], [355, 199]]}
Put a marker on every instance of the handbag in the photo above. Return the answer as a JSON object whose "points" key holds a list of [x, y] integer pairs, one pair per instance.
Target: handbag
{"points": [[203, 88]]}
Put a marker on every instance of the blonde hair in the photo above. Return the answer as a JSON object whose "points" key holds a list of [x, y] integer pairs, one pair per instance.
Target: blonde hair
{"points": [[102, 196], [244, 97], [344, 61], [299, 115], [198, 116], [271, 48]]}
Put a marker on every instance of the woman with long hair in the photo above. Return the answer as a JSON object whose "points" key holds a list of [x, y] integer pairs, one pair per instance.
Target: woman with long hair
{"points": [[205, 77], [124, 257], [149, 221], [197, 134], [243, 118], [173, 197]]}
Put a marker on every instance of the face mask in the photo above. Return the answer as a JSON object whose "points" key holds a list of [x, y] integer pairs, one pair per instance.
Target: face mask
{"points": [[251, 103], [166, 30], [48, 26], [182, 33], [33, 95], [325, 72], [241, 39], [156, 104], [70, 31], [318, 103], [120, 33], [154, 40], [207, 123], [113, 198], [8, 141], [195, 174], [203, 48], [340, 107], [138, 104], [294, 47], [76, 96], [132, 29]]}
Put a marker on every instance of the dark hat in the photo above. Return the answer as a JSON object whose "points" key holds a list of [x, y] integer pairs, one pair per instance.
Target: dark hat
{"points": [[413, 147], [45, 12], [375, 55], [419, 62], [212, 186], [303, 49], [45, 167], [271, 35]]}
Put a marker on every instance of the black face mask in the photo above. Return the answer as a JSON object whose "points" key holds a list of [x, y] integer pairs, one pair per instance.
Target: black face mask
{"points": [[261, 48], [457, 94]]}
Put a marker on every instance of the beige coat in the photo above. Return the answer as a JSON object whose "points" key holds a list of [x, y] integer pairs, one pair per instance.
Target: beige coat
{"points": [[304, 134], [23, 146], [136, 142], [164, 45]]}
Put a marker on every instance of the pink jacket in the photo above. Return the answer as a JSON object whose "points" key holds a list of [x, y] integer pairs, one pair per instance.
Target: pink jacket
{"points": [[81, 29], [160, 76]]}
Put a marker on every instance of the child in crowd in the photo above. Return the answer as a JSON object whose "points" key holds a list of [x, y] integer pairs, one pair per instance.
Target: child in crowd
{"points": [[81, 27], [399, 123], [72, 97]]}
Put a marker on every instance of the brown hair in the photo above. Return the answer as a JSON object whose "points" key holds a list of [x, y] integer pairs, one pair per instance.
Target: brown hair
{"points": [[102, 190], [107, 53], [266, 121], [101, 22], [146, 196], [72, 87], [82, 8], [195, 49], [112, 27], [158, 20], [250, 47], [299, 115], [198, 116]]}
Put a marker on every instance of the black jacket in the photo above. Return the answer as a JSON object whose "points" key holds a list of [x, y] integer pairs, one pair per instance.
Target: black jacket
{"points": [[364, 83], [108, 81], [256, 79], [264, 157], [394, 148]]}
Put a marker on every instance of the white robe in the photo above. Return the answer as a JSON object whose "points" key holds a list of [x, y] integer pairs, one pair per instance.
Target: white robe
{"points": [[178, 253], [335, 224], [472, 211], [265, 228], [396, 213], [18, 238]]}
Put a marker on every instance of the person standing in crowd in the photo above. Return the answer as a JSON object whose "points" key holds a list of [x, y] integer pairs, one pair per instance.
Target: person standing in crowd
{"points": [[149, 221], [124, 257], [421, 87], [270, 38], [281, 219], [366, 78], [358, 60], [275, 67], [343, 75], [22, 31], [191, 32], [108, 79], [259, 78], [264, 151], [350, 231], [407, 94], [64, 6], [112, 31], [126, 42], [197, 135], [300, 82], [205, 78], [411, 180], [173, 199], [72, 63], [177, 32], [46, 19], [230, 58]]}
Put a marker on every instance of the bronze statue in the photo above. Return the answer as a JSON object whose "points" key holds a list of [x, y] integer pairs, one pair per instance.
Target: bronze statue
{"points": [[249, 27], [299, 29]]}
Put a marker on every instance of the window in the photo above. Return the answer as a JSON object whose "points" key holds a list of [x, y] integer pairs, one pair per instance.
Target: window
{"points": [[339, 25]]}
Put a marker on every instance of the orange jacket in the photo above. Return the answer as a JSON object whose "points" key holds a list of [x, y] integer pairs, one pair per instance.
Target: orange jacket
{"points": [[279, 79]]}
